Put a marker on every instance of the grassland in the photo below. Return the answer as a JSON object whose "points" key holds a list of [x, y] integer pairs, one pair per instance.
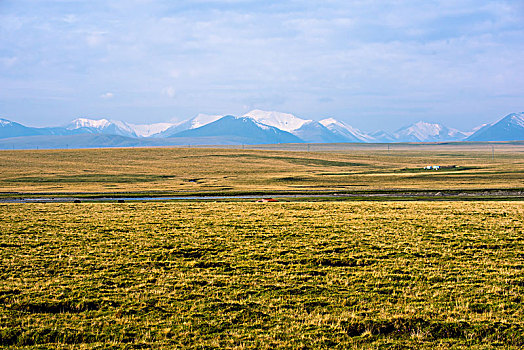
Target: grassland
{"points": [[250, 275], [178, 170]]}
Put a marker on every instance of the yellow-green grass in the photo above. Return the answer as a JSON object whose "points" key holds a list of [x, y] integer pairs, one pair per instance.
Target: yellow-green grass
{"points": [[235, 170], [252, 275]]}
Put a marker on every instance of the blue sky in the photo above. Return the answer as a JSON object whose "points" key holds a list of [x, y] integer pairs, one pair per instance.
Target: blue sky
{"points": [[372, 64]]}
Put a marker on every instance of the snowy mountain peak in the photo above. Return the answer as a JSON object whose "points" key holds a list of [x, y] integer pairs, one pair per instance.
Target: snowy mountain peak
{"points": [[423, 129], [516, 119], [104, 126], [88, 123], [123, 126], [187, 124], [260, 126], [237, 130], [509, 128], [343, 129], [4, 122], [283, 121], [428, 132], [330, 121], [203, 119]]}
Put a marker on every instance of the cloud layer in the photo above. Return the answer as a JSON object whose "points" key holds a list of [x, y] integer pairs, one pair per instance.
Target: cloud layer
{"points": [[373, 64]]}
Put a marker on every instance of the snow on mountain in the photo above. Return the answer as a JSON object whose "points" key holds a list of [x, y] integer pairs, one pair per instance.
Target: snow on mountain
{"points": [[13, 129], [516, 119], [428, 132], [313, 131], [87, 123], [123, 126], [101, 126], [260, 127], [10, 129], [203, 119], [509, 128], [234, 130], [475, 129], [283, 121], [419, 131], [340, 128], [188, 124], [382, 136], [4, 122], [147, 130]]}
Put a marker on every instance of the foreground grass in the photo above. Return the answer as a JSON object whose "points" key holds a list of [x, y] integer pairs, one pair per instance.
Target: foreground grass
{"points": [[250, 275]]}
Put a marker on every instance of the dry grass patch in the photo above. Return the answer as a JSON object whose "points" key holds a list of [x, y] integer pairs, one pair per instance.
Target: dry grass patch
{"points": [[225, 170]]}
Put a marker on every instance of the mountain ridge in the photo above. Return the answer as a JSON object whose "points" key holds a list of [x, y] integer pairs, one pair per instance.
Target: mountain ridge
{"points": [[243, 129], [259, 126], [283, 121], [428, 132], [509, 128], [346, 130]]}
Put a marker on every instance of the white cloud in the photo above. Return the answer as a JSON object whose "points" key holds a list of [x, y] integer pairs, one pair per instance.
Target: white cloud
{"points": [[95, 39], [70, 18], [174, 73], [107, 95], [169, 91], [307, 57]]}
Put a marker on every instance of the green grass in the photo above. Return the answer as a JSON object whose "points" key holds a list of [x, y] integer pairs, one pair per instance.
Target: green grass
{"points": [[196, 170], [303, 274], [249, 275]]}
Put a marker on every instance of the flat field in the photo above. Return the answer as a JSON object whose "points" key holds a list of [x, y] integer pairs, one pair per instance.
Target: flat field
{"points": [[325, 168], [306, 274], [254, 275]]}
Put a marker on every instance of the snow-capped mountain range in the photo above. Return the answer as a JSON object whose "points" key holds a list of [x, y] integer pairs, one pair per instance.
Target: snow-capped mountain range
{"points": [[257, 127], [101, 126], [509, 128], [347, 131], [283, 121], [192, 123], [428, 132]]}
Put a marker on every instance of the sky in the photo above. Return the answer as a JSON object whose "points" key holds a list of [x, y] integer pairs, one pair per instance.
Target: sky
{"points": [[372, 64]]}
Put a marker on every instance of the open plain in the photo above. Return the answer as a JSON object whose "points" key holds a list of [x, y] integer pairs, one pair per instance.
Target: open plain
{"points": [[328, 168], [292, 274]]}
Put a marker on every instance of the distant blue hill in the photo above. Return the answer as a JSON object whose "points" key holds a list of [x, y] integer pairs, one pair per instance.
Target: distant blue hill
{"points": [[74, 141], [509, 128], [315, 132], [241, 130], [230, 130], [13, 129]]}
